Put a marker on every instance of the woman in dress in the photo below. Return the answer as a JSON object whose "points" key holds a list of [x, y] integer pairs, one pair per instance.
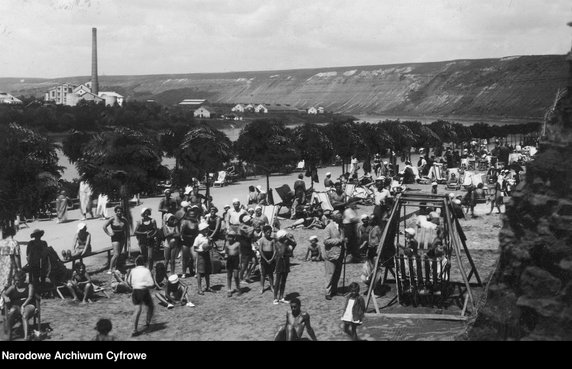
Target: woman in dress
{"points": [[62, 207], [203, 265], [9, 256], [118, 234]]}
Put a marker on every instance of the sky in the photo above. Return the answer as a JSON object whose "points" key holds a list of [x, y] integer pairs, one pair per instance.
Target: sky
{"points": [[52, 38]]}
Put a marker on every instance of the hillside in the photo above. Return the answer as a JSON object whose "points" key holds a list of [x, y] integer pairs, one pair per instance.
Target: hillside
{"points": [[511, 87]]}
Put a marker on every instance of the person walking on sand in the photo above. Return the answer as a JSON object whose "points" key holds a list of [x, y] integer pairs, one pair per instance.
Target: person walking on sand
{"points": [[354, 311], [296, 322], [141, 281]]}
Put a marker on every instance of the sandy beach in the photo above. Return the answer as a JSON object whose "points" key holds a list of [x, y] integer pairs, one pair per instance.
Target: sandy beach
{"points": [[252, 316]]}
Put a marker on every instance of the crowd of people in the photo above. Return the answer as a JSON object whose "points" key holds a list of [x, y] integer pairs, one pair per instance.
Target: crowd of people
{"points": [[243, 242]]}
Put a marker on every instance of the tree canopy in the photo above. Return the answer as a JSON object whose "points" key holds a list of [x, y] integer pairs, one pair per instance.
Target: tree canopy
{"points": [[29, 171]]}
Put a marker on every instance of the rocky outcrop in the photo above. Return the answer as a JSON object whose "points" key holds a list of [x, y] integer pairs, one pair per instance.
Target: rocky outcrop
{"points": [[530, 295], [512, 87]]}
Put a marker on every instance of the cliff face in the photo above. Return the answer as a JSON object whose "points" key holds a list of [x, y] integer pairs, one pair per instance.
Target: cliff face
{"points": [[530, 295], [520, 87]]}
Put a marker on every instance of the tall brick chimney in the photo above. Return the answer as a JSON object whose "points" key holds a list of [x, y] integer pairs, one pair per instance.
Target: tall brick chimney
{"points": [[94, 81]]}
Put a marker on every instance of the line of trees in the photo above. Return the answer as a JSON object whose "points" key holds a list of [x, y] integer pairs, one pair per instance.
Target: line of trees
{"points": [[119, 151]]}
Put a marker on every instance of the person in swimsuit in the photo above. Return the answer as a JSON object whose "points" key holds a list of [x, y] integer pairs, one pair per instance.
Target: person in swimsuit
{"points": [[118, 234], [284, 248], [81, 283], [146, 232], [189, 231], [314, 252], [232, 249], [296, 322], [81, 243], [214, 222], [19, 300], [172, 234], [266, 249]]}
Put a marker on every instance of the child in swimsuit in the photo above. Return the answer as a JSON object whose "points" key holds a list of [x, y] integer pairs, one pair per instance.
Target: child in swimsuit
{"points": [[314, 251], [232, 249]]}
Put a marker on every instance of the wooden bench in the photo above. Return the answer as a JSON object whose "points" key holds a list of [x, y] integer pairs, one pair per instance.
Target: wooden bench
{"points": [[107, 250]]}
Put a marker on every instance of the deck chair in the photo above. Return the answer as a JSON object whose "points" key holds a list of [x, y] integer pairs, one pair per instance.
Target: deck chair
{"points": [[221, 179], [422, 280], [456, 185], [323, 199], [284, 198], [270, 211], [349, 190]]}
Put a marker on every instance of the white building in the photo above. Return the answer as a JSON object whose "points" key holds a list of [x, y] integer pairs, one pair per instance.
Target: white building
{"points": [[260, 109], [321, 110], [111, 98], [6, 98], [202, 112], [312, 110], [238, 108], [71, 95]]}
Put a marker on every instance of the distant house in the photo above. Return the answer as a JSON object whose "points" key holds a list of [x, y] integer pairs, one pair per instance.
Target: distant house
{"points": [[74, 98], [6, 98], [238, 108], [70, 94], [193, 103], [111, 98], [260, 108], [320, 110], [59, 94], [312, 110], [203, 112], [249, 108]]}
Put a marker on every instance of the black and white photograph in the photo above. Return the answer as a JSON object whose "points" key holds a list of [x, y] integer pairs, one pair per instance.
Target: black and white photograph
{"points": [[284, 170]]}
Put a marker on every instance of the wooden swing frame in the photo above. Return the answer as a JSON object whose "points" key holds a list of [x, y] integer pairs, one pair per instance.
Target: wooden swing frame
{"points": [[454, 239]]}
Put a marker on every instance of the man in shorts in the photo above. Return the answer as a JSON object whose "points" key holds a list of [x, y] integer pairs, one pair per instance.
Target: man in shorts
{"points": [[141, 281]]}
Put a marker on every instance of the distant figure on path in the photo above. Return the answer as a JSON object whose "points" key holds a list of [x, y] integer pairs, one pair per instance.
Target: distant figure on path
{"points": [[168, 204], [101, 210], [85, 204], [328, 182], [62, 207]]}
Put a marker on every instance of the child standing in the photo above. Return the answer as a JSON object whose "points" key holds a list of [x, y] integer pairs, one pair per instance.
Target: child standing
{"points": [[232, 249], [314, 251], [354, 311]]}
